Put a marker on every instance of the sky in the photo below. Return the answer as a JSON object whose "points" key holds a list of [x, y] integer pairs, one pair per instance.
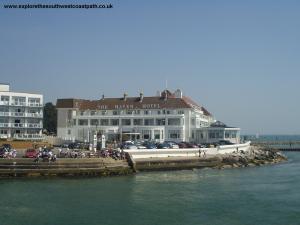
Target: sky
{"points": [[239, 59]]}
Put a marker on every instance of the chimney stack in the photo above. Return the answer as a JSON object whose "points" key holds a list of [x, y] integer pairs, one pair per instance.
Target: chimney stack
{"points": [[103, 97], [166, 95], [125, 96], [141, 96]]}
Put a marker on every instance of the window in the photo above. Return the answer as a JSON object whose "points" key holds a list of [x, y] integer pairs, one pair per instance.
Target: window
{"points": [[129, 112], [160, 122], [3, 131], [158, 112], [3, 109], [149, 122], [193, 134], [104, 122], [4, 98], [213, 134], [83, 122], [81, 113], [104, 112], [93, 113], [137, 112], [180, 112], [94, 122], [174, 134], [137, 122], [146, 134], [126, 122], [174, 121], [116, 112], [114, 122], [156, 134], [69, 132], [146, 112], [193, 122]]}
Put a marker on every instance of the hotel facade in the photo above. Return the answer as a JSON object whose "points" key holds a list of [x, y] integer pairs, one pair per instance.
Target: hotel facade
{"points": [[165, 116], [21, 115]]}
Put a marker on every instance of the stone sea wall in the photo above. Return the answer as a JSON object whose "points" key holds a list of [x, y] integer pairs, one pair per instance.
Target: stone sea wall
{"points": [[256, 156], [21, 167]]}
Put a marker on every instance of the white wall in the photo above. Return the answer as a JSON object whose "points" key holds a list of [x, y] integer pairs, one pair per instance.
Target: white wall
{"points": [[186, 152]]}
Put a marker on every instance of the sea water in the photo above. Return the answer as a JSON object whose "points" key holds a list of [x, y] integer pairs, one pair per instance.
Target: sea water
{"points": [[258, 195]]}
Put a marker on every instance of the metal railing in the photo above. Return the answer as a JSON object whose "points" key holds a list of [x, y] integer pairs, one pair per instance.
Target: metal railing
{"points": [[21, 125], [28, 136], [21, 104], [21, 114]]}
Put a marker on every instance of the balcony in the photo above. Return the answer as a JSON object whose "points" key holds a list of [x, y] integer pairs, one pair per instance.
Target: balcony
{"points": [[30, 104], [4, 103], [21, 125], [18, 125], [21, 114], [18, 104], [17, 114], [34, 115], [4, 113], [34, 125], [28, 136]]}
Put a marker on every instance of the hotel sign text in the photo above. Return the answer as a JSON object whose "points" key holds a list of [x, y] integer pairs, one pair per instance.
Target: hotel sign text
{"points": [[131, 106]]}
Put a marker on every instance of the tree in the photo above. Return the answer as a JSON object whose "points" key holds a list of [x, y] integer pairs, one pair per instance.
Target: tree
{"points": [[50, 118]]}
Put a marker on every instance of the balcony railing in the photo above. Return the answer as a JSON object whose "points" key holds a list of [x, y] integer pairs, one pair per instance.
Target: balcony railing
{"points": [[34, 125], [28, 136], [21, 104], [4, 124], [17, 114], [4, 103], [21, 125], [4, 113], [35, 115], [18, 103], [21, 114], [18, 125], [34, 104]]}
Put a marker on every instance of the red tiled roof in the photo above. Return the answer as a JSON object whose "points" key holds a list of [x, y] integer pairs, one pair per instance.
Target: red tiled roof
{"points": [[155, 102]]}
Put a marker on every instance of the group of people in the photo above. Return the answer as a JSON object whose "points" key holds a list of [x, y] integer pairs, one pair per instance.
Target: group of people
{"points": [[10, 154], [46, 155], [202, 153], [115, 154]]}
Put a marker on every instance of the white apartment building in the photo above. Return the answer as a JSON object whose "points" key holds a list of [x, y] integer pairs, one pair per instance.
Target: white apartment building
{"points": [[21, 115], [166, 116]]}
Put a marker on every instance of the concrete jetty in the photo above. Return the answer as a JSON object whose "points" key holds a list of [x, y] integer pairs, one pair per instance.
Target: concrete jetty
{"points": [[138, 161], [21, 167]]}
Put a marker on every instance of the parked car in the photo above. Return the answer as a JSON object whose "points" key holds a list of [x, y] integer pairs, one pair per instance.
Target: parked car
{"points": [[128, 145], [163, 145], [139, 145], [150, 146], [182, 144], [171, 144], [192, 145], [224, 142], [31, 153]]}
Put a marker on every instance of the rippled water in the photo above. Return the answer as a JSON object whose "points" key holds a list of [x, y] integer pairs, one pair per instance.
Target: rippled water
{"points": [[262, 195]]}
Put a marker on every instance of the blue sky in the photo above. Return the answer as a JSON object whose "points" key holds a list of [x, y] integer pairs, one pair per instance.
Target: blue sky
{"points": [[240, 59]]}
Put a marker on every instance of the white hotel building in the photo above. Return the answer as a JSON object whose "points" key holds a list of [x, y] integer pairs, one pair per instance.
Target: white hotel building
{"points": [[166, 116], [21, 115]]}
